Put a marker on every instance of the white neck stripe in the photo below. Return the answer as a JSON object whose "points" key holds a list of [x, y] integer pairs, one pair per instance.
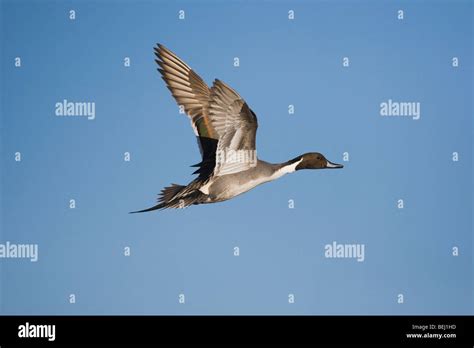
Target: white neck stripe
{"points": [[290, 168]]}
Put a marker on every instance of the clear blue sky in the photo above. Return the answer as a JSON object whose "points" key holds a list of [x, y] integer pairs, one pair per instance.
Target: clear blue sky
{"points": [[190, 251]]}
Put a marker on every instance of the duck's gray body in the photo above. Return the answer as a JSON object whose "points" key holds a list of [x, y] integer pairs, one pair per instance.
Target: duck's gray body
{"points": [[228, 186], [225, 128]]}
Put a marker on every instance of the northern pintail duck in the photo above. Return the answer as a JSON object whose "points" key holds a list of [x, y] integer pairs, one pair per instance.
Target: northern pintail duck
{"points": [[225, 128]]}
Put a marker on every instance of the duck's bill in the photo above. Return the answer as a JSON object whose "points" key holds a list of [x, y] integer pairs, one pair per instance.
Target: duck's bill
{"points": [[334, 165]]}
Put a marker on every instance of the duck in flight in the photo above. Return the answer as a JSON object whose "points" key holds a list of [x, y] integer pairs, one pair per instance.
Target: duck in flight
{"points": [[225, 128]]}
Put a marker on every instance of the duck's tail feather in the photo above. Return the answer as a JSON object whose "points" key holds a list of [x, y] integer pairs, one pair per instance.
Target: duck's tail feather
{"points": [[156, 207], [170, 197], [168, 193]]}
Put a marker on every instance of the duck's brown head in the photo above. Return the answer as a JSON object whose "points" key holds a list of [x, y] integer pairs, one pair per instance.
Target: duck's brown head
{"points": [[315, 160]]}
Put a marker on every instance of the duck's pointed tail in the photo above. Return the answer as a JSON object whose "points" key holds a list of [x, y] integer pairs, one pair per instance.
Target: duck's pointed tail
{"points": [[156, 207], [174, 197]]}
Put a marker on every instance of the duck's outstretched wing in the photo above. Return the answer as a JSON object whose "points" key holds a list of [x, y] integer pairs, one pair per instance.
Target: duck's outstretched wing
{"points": [[191, 93], [236, 124], [223, 123]]}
